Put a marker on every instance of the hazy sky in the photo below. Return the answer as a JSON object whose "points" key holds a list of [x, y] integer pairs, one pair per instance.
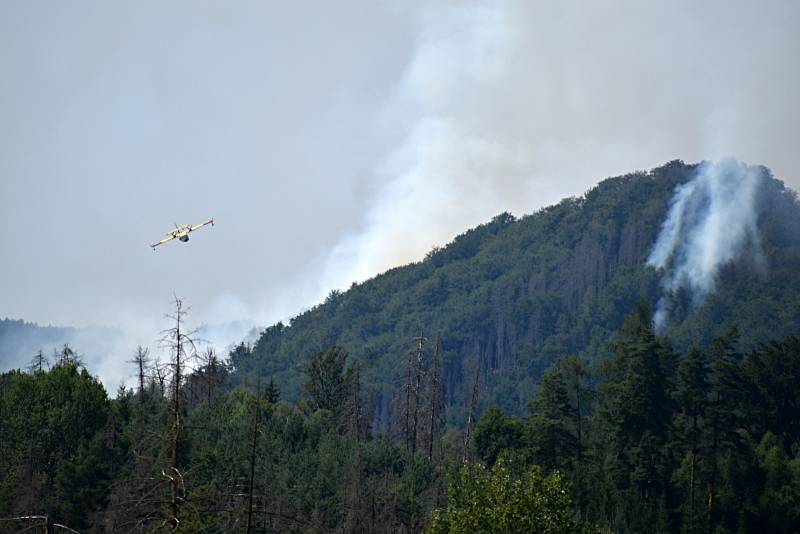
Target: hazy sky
{"points": [[332, 140]]}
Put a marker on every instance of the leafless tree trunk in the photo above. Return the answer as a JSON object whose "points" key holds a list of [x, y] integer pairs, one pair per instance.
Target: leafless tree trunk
{"points": [[435, 398], [68, 356], [160, 377], [177, 339], [473, 405], [140, 359], [407, 404], [418, 371], [411, 391], [39, 362]]}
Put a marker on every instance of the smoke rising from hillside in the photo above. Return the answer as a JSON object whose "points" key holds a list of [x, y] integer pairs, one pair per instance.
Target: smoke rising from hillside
{"points": [[324, 164], [514, 105], [446, 173], [712, 220]]}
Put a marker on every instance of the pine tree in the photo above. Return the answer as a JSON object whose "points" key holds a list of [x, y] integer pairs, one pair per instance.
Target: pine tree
{"points": [[272, 393], [254, 434], [692, 399], [496, 432], [725, 418], [636, 411], [325, 380], [551, 424]]}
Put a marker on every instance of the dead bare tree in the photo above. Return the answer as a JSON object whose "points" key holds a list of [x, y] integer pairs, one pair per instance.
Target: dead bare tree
{"points": [[473, 405], [418, 372], [141, 360], [159, 377], [180, 342], [68, 356], [157, 490], [358, 424], [435, 399], [39, 362], [410, 398], [357, 421], [407, 403], [210, 375]]}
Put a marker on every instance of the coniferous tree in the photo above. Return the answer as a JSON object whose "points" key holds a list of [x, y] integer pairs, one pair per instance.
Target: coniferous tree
{"points": [[496, 432], [272, 393], [582, 397], [552, 431], [692, 402], [636, 412], [725, 418], [254, 435], [771, 403], [326, 381]]}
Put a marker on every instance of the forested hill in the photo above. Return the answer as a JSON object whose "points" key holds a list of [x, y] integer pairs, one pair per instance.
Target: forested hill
{"points": [[21, 341], [513, 295]]}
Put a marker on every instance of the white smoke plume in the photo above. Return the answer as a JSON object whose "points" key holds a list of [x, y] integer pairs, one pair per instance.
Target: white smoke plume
{"points": [[712, 220], [513, 105], [449, 171]]}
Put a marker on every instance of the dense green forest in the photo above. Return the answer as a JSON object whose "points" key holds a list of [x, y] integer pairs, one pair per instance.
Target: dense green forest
{"points": [[651, 440], [512, 296], [512, 381]]}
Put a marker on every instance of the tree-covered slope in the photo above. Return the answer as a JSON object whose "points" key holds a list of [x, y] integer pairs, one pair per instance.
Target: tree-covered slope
{"points": [[20, 341], [512, 296]]}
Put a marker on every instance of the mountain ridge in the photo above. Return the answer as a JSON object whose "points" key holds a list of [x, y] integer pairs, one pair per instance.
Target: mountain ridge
{"points": [[512, 296]]}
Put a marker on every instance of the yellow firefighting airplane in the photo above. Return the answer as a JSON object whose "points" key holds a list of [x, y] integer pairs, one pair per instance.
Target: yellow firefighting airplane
{"points": [[182, 232]]}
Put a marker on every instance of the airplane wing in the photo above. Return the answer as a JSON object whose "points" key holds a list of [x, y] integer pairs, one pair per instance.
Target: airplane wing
{"points": [[202, 224], [165, 240]]}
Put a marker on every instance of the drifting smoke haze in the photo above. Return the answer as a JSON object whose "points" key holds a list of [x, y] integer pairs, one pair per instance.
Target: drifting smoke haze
{"points": [[332, 143], [94, 344], [515, 105], [712, 220]]}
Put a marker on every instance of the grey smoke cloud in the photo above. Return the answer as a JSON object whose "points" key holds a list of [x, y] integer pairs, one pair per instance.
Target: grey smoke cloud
{"points": [[712, 220], [514, 105], [331, 141]]}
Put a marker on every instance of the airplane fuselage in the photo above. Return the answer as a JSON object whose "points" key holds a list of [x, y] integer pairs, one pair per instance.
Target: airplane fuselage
{"points": [[182, 233]]}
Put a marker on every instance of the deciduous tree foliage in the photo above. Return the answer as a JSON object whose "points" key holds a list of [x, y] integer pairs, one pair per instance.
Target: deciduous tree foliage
{"points": [[496, 500]]}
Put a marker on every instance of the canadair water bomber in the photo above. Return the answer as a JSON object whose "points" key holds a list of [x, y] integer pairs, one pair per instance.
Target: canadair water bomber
{"points": [[181, 233]]}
